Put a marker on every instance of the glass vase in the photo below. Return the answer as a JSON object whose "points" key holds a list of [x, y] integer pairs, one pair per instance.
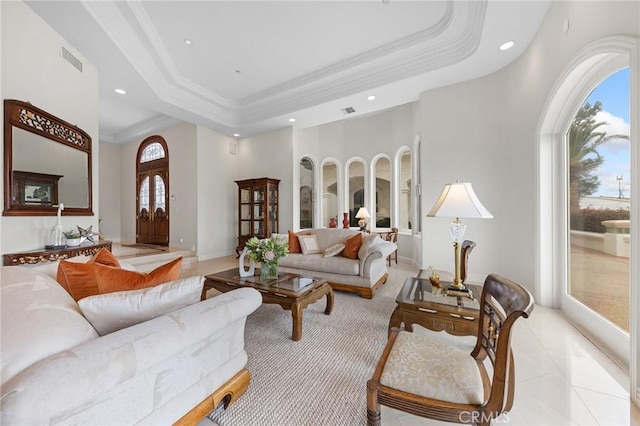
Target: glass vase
{"points": [[269, 271]]}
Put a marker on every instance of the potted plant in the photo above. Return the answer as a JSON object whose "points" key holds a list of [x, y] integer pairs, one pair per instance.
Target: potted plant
{"points": [[74, 238]]}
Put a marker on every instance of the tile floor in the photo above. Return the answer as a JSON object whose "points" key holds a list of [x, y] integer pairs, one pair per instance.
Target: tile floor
{"points": [[562, 378]]}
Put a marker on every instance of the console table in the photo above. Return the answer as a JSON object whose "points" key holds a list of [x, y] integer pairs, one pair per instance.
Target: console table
{"points": [[44, 256]]}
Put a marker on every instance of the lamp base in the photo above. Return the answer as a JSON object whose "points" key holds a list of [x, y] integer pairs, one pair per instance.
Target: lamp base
{"points": [[459, 291]]}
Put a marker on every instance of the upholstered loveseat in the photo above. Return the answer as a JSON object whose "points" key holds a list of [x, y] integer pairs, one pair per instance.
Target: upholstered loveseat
{"points": [[362, 275], [172, 368]]}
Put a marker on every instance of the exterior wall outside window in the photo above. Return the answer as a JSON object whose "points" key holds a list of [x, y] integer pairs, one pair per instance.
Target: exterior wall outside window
{"points": [[382, 193], [405, 191], [329, 190], [307, 202], [355, 189]]}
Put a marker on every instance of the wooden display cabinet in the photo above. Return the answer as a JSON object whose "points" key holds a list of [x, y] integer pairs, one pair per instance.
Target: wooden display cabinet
{"points": [[257, 209]]}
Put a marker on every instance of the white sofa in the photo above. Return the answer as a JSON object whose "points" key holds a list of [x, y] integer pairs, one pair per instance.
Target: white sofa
{"points": [[173, 368], [362, 275]]}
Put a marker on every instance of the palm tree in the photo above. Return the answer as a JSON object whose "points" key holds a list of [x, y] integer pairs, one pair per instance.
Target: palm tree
{"points": [[584, 159]]}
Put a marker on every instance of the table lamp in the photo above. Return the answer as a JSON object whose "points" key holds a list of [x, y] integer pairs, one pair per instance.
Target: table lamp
{"points": [[458, 201], [363, 215]]}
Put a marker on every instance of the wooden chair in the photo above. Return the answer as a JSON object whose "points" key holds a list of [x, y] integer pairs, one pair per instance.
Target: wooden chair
{"points": [[465, 249], [393, 238], [421, 375]]}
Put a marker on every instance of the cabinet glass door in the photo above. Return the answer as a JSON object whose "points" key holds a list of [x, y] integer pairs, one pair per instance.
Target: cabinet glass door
{"points": [[258, 195], [245, 195], [245, 211], [258, 212]]}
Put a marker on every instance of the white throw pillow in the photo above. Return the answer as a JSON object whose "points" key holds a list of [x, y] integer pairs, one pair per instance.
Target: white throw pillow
{"points": [[333, 250], [111, 312], [309, 244], [368, 241]]}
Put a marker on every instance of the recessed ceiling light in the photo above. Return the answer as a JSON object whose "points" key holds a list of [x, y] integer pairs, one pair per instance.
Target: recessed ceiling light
{"points": [[507, 45], [292, 120], [120, 91], [188, 42], [236, 134], [370, 98]]}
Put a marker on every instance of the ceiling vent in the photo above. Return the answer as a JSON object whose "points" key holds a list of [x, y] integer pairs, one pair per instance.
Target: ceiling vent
{"points": [[71, 59], [348, 110]]}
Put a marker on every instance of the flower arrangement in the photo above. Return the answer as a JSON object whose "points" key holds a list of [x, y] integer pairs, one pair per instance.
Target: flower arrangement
{"points": [[267, 250]]}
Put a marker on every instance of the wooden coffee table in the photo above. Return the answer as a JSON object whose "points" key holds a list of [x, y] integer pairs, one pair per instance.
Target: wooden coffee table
{"points": [[290, 291]]}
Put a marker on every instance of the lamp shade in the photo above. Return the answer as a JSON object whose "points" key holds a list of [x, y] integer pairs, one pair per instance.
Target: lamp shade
{"points": [[363, 213], [458, 200]]}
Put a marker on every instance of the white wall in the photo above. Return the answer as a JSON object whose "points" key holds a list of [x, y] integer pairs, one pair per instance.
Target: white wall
{"points": [[484, 131], [34, 71], [269, 155], [109, 194], [181, 143], [217, 194]]}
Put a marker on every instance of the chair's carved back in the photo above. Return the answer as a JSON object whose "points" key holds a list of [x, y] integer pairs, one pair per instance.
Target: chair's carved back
{"points": [[501, 304], [393, 235], [465, 250]]}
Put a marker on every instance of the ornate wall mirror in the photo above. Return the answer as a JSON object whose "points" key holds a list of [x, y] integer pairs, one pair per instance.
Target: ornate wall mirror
{"points": [[46, 161]]}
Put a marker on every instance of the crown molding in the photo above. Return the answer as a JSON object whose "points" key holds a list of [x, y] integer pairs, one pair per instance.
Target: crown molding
{"points": [[114, 24], [406, 57], [163, 54], [140, 130], [393, 67]]}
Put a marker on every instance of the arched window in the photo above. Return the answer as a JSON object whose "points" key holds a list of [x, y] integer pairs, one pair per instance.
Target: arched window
{"points": [[306, 193], [355, 191], [598, 166], [405, 193], [152, 151], [329, 192], [558, 245], [382, 193]]}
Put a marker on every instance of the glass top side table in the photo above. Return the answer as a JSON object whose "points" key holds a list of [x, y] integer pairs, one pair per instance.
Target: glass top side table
{"points": [[418, 303]]}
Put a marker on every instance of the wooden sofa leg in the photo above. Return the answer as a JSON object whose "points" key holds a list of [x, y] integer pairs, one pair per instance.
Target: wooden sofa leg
{"points": [[228, 393]]}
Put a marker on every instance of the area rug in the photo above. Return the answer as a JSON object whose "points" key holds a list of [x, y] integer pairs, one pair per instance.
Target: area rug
{"points": [[319, 380]]}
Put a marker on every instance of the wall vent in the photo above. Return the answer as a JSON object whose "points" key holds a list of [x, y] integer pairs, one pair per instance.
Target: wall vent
{"points": [[348, 110], [71, 59]]}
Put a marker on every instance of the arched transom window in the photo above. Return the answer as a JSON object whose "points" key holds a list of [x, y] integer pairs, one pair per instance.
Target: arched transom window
{"points": [[153, 151]]}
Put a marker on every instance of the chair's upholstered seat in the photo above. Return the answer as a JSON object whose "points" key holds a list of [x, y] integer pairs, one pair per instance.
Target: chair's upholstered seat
{"points": [[424, 366]]}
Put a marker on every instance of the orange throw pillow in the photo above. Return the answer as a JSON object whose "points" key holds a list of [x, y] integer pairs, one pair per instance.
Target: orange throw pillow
{"points": [[83, 278], [88, 279], [113, 279], [105, 257], [352, 246], [79, 279], [294, 243]]}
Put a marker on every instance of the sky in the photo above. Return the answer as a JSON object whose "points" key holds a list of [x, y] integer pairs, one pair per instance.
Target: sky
{"points": [[613, 93]]}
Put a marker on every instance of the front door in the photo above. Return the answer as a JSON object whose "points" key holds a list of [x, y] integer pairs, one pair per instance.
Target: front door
{"points": [[152, 194]]}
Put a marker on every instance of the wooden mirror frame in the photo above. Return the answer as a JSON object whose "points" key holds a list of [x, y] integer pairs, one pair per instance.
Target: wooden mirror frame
{"points": [[27, 117]]}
